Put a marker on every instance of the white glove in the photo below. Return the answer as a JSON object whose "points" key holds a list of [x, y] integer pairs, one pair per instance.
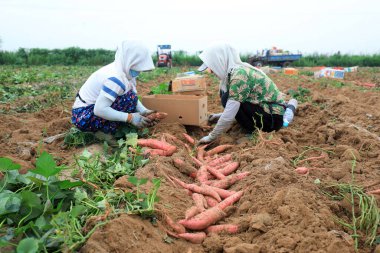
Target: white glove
{"points": [[212, 118], [206, 139], [140, 121], [147, 112], [143, 110]]}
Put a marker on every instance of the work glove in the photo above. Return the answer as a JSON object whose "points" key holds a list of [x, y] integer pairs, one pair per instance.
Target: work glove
{"points": [[140, 121], [213, 118], [140, 108], [206, 139], [147, 112]]}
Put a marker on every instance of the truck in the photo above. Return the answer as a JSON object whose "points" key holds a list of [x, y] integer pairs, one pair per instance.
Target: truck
{"points": [[274, 56], [164, 56]]}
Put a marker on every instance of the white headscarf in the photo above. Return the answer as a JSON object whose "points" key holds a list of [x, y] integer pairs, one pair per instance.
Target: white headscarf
{"points": [[132, 54], [221, 58]]}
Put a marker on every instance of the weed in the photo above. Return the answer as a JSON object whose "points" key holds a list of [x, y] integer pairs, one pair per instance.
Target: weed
{"points": [[368, 219], [301, 94]]}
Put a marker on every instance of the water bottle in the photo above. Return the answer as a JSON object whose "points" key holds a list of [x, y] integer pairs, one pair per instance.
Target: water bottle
{"points": [[289, 112]]}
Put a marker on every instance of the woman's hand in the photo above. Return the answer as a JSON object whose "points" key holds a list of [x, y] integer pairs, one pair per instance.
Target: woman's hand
{"points": [[147, 112], [206, 139], [140, 121]]}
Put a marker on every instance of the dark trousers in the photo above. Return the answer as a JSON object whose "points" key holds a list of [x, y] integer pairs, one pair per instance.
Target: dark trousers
{"points": [[252, 117]]}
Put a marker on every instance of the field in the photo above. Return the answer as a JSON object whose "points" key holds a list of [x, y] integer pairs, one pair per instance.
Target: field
{"points": [[326, 210]]}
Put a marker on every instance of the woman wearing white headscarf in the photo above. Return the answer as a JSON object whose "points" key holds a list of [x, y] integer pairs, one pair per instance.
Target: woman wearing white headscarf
{"points": [[108, 98], [247, 94]]}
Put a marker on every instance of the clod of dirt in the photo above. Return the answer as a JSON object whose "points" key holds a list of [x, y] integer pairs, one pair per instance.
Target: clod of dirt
{"points": [[338, 172], [244, 207], [232, 241], [276, 164], [351, 154], [261, 222], [213, 243], [243, 248], [122, 182]]}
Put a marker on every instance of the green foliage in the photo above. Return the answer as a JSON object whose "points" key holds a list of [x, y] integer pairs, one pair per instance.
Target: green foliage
{"points": [[75, 137], [28, 203], [162, 88], [338, 60], [301, 94], [39, 212]]}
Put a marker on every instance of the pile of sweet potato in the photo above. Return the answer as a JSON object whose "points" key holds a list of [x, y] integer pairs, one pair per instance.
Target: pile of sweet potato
{"points": [[213, 175]]}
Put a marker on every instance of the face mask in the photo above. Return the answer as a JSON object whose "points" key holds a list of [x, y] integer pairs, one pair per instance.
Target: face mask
{"points": [[133, 73]]}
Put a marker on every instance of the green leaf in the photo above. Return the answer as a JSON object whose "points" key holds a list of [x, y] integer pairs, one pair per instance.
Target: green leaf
{"points": [[8, 164], [46, 166], [30, 199], [77, 210], [143, 181], [131, 139], [41, 222], [9, 202], [133, 180], [80, 195], [86, 154], [67, 184], [101, 204], [27, 245]]}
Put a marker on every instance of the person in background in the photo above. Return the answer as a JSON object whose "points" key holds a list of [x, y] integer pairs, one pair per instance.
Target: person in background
{"points": [[108, 99], [247, 94]]}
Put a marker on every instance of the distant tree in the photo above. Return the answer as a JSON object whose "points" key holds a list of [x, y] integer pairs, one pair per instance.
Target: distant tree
{"points": [[1, 42]]}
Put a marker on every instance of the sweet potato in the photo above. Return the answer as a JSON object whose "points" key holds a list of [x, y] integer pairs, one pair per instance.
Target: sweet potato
{"points": [[220, 160], [201, 152], [222, 193], [204, 219], [202, 174], [227, 228], [218, 149], [196, 238], [157, 116], [230, 200], [211, 189], [154, 151], [197, 162], [198, 189], [178, 228], [199, 201], [229, 169], [191, 212], [215, 172], [184, 167], [377, 191], [229, 180], [211, 202], [156, 144], [189, 138]]}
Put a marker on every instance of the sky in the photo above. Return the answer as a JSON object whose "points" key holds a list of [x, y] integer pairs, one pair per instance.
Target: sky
{"points": [[308, 26]]}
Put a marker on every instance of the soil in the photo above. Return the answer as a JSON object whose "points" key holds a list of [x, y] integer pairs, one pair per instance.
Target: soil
{"points": [[280, 211]]}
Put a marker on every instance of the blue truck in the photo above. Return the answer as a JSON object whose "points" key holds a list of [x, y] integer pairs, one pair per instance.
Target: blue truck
{"points": [[268, 57]]}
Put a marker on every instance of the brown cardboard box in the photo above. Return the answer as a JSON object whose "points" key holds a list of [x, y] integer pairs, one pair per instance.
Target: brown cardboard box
{"points": [[194, 83], [185, 109]]}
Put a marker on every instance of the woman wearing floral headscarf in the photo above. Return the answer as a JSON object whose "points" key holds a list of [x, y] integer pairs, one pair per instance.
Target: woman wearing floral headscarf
{"points": [[108, 98], [247, 94]]}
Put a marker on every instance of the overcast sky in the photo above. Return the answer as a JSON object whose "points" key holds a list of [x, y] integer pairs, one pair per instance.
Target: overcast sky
{"points": [[324, 26]]}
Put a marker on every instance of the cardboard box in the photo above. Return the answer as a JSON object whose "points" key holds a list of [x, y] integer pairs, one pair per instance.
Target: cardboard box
{"points": [[290, 71], [188, 83], [185, 109], [330, 73]]}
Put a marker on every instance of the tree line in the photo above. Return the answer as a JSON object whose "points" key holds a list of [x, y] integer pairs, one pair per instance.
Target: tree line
{"points": [[98, 57]]}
